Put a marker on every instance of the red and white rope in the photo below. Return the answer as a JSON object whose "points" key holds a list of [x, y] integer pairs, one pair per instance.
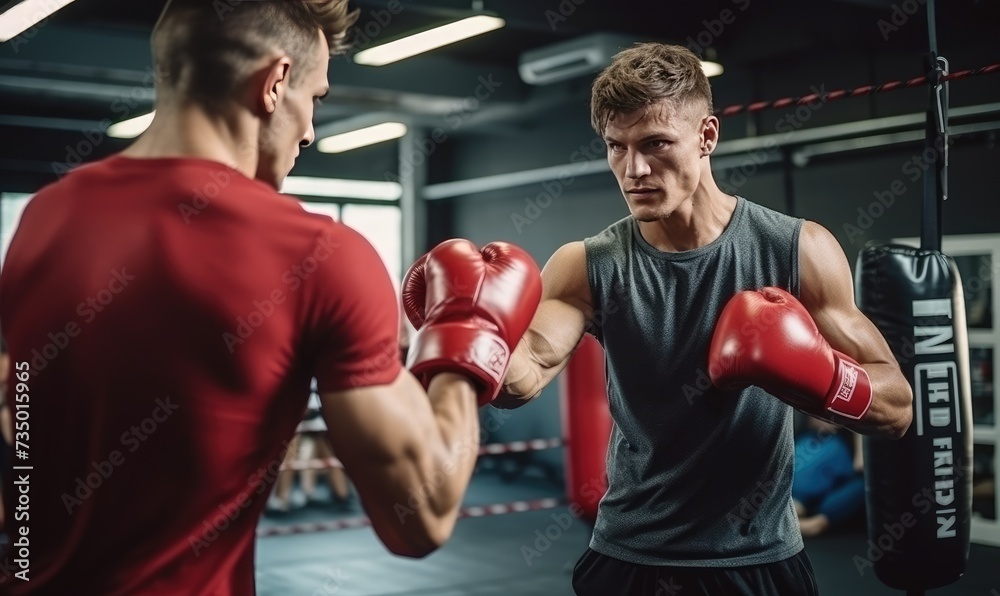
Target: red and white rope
{"points": [[491, 449], [362, 522], [856, 92]]}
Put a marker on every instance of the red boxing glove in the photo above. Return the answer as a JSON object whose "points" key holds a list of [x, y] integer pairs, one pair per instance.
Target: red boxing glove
{"points": [[470, 308], [767, 338]]}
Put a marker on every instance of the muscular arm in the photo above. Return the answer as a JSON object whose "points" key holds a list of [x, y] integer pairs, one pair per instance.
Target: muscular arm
{"points": [[410, 455], [827, 292], [555, 330]]}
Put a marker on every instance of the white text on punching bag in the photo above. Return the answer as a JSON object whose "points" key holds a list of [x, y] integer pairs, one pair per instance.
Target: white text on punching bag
{"points": [[944, 487], [936, 393]]}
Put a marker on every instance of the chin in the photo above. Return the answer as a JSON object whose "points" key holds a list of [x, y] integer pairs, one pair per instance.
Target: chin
{"points": [[649, 213]]}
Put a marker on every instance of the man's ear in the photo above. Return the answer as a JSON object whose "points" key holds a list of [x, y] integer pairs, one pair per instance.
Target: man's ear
{"points": [[709, 135], [275, 82]]}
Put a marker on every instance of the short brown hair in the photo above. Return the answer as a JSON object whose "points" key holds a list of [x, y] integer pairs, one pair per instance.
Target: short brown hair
{"points": [[204, 49], [645, 74]]}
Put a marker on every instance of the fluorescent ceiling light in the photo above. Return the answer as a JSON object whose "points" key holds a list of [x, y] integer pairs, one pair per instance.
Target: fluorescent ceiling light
{"points": [[711, 69], [131, 128], [343, 189], [363, 136], [427, 40], [23, 16]]}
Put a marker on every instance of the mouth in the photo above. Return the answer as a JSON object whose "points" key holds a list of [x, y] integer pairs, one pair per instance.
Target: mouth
{"points": [[641, 192]]}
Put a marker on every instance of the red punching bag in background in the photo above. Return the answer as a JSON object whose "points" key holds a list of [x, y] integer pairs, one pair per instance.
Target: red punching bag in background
{"points": [[586, 427]]}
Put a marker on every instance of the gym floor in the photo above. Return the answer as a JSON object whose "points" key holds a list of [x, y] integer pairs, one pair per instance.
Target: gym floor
{"points": [[530, 553]]}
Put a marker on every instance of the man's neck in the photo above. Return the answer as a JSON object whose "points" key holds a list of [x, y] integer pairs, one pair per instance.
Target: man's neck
{"points": [[699, 221], [190, 131]]}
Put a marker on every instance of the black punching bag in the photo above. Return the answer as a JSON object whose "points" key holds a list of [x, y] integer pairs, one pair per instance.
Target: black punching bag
{"points": [[919, 488]]}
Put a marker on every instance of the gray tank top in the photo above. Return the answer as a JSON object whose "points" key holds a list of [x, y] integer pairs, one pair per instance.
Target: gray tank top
{"points": [[696, 476]]}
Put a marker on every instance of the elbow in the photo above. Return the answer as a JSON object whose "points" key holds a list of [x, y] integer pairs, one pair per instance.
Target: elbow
{"points": [[902, 415], [507, 401], [420, 542], [902, 424]]}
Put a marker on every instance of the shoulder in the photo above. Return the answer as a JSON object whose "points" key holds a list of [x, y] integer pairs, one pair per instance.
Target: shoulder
{"points": [[825, 273], [568, 258], [816, 240], [610, 235], [771, 217], [565, 277]]}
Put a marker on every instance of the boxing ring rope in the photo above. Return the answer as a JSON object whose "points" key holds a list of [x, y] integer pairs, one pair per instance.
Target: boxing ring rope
{"points": [[489, 449], [856, 92], [464, 512], [362, 521]]}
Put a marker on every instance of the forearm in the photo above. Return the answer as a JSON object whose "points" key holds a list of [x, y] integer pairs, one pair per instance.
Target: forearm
{"points": [[891, 410], [522, 382], [456, 448], [436, 467], [410, 454]]}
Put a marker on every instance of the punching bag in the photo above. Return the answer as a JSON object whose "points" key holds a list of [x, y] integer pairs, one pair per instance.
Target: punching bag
{"points": [[586, 427], [919, 488]]}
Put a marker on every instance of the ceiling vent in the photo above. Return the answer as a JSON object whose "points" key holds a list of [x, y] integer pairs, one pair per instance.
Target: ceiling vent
{"points": [[569, 59]]}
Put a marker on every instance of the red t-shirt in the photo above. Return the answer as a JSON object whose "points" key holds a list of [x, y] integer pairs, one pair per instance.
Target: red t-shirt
{"points": [[173, 313]]}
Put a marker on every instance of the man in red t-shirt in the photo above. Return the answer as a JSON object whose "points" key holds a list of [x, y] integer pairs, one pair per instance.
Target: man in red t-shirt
{"points": [[166, 309]]}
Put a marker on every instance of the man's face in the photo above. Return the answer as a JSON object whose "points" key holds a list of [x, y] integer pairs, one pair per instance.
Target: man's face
{"points": [[655, 153], [291, 124]]}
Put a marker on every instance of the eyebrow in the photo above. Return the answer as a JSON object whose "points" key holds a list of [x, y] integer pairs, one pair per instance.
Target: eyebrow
{"points": [[661, 135]]}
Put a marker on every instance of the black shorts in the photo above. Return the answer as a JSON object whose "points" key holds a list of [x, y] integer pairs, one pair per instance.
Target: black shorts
{"points": [[602, 575]]}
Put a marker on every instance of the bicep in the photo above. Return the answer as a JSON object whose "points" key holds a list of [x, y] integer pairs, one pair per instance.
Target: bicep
{"points": [[565, 309], [827, 292]]}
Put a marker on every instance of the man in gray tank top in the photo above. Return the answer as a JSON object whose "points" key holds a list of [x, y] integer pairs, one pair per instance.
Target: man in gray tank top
{"points": [[697, 284]]}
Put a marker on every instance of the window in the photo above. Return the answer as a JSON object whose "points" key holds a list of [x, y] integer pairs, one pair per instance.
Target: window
{"points": [[11, 207], [382, 225], [331, 209]]}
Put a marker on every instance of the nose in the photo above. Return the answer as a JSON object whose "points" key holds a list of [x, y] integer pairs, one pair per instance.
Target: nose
{"points": [[309, 137], [635, 165]]}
